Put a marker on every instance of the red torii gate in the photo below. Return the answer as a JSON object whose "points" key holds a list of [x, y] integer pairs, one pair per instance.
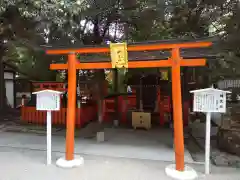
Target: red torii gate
{"points": [[175, 62]]}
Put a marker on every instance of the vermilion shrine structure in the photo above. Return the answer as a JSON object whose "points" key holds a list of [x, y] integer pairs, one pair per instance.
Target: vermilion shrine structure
{"points": [[175, 62]]}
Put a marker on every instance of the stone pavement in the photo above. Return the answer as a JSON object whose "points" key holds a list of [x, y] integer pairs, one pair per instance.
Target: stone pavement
{"points": [[127, 143], [25, 164], [25, 160], [24, 154]]}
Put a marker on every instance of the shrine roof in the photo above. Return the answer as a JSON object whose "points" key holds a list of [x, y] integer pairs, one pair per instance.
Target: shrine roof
{"points": [[47, 90], [155, 55], [209, 90]]}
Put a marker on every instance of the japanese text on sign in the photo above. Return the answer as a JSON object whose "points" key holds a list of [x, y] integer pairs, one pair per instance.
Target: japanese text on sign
{"points": [[210, 102]]}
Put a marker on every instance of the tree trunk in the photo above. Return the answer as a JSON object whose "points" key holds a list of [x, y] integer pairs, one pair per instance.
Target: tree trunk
{"points": [[115, 82], [3, 103], [99, 78]]}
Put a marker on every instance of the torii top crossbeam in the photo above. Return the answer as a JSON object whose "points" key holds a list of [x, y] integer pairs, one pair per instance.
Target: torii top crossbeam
{"points": [[132, 47], [175, 62]]}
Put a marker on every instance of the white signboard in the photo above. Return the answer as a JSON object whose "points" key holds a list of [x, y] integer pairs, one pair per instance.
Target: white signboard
{"points": [[209, 100], [48, 100]]}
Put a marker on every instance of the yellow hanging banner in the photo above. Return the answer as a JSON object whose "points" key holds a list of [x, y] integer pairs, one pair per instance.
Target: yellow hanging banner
{"points": [[119, 55], [164, 75]]}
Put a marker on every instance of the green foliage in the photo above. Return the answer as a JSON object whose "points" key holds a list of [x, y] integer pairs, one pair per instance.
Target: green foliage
{"points": [[24, 28], [52, 11], [39, 22]]}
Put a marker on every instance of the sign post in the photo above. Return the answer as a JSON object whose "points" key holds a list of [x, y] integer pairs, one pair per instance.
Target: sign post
{"points": [[49, 138], [207, 143], [207, 101], [48, 100]]}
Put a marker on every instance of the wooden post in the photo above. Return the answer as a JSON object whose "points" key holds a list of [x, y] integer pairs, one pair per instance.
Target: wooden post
{"points": [[177, 110], [140, 92], [49, 137], [23, 100], [71, 106], [207, 143], [116, 99]]}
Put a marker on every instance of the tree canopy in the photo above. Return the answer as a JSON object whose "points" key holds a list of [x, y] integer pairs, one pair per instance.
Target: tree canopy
{"points": [[28, 26]]}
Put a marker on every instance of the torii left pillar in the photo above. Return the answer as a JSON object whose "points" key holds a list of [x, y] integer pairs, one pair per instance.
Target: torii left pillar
{"points": [[70, 160]]}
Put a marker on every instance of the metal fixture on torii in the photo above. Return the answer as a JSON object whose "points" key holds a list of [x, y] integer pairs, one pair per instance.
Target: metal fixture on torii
{"points": [[175, 61]]}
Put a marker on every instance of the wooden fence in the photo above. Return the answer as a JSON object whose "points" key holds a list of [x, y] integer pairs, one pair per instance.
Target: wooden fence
{"points": [[83, 115]]}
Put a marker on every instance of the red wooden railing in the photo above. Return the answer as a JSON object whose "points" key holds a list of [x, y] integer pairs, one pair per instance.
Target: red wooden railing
{"points": [[109, 108], [31, 115], [164, 108], [132, 100], [57, 86], [83, 115]]}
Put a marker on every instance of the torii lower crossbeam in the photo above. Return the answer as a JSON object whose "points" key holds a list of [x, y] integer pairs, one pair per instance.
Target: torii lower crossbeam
{"points": [[175, 62], [132, 64]]}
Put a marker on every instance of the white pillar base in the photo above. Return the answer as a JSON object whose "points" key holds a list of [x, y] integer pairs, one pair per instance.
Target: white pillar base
{"points": [[188, 174], [63, 163]]}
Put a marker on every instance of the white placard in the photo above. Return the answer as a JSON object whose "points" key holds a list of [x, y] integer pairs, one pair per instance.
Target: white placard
{"points": [[209, 100], [48, 100]]}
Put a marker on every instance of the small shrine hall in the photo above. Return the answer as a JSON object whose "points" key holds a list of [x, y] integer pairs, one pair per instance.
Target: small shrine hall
{"points": [[158, 76]]}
